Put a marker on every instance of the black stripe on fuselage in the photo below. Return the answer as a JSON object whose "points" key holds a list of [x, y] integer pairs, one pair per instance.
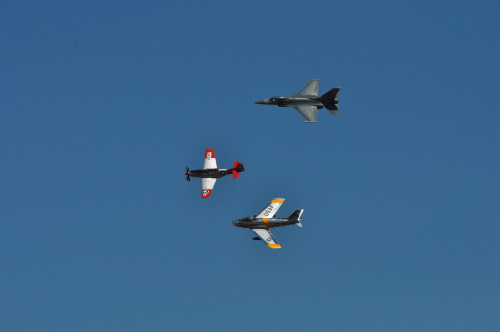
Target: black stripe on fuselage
{"points": [[209, 173]]}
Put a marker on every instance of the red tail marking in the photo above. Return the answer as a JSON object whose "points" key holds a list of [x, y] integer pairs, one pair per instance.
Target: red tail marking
{"points": [[236, 174]]}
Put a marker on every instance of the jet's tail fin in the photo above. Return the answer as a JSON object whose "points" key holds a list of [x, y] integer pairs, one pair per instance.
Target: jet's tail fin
{"points": [[331, 101], [237, 169], [296, 215]]}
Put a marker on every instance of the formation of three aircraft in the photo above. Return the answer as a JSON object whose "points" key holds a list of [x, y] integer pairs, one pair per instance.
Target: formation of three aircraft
{"points": [[306, 102]]}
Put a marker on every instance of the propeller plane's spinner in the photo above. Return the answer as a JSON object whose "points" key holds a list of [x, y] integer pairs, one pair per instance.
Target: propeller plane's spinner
{"points": [[210, 173]]}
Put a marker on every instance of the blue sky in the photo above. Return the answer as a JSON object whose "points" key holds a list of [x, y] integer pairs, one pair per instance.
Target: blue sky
{"points": [[104, 104]]}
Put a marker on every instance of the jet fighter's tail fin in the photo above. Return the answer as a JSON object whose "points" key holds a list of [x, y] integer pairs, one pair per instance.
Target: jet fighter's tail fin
{"points": [[296, 215], [237, 169], [330, 100]]}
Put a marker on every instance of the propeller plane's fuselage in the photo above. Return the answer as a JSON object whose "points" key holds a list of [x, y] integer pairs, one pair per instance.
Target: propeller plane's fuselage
{"points": [[209, 173]]}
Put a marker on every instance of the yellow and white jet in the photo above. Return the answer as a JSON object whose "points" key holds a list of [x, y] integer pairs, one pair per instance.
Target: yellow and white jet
{"points": [[261, 223]]}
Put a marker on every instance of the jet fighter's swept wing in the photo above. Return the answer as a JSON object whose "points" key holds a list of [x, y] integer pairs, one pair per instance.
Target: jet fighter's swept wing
{"points": [[309, 112], [267, 237], [310, 90], [271, 209]]}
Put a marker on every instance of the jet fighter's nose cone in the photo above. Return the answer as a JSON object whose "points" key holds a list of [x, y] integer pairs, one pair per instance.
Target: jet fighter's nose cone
{"points": [[261, 102]]}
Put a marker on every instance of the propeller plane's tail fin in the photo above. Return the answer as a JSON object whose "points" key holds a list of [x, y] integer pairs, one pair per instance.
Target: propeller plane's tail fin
{"points": [[237, 169]]}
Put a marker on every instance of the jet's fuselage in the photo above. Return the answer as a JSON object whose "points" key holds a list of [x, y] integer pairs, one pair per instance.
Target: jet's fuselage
{"points": [[292, 101], [252, 222]]}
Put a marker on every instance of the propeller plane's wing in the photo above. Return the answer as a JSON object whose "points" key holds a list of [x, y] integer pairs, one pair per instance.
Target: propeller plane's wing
{"points": [[271, 209], [308, 112], [207, 184], [210, 161], [267, 237]]}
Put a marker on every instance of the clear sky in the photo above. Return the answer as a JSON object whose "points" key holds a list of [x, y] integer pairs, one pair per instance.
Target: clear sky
{"points": [[104, 103]]}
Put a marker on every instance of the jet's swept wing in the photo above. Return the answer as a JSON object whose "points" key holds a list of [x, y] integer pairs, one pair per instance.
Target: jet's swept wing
{"points": [[267, 237], [309, 112], [207, 184], [210, 161], [271, 209], [310, 90]]}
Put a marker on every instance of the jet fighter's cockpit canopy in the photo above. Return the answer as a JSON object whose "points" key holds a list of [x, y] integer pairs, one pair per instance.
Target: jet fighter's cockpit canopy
{"points": [[276, 99], [246, 219]]}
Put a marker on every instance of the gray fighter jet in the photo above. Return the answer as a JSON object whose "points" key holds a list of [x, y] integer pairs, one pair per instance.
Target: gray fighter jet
{"points": [[307, 102]]}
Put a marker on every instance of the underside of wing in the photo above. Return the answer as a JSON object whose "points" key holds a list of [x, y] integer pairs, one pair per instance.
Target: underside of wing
{"points": [[271, 209], [311, 89], [309, 112], [207, 184], [267, 237], [210, 161]]}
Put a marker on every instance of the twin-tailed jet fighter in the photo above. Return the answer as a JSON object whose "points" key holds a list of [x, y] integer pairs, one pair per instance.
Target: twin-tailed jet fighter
{"points": [[307, 102], [261, 223], [210, 173]]}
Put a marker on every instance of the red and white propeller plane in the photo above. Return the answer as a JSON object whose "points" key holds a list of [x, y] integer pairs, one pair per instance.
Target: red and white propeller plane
{"points": [[210, 173]]}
